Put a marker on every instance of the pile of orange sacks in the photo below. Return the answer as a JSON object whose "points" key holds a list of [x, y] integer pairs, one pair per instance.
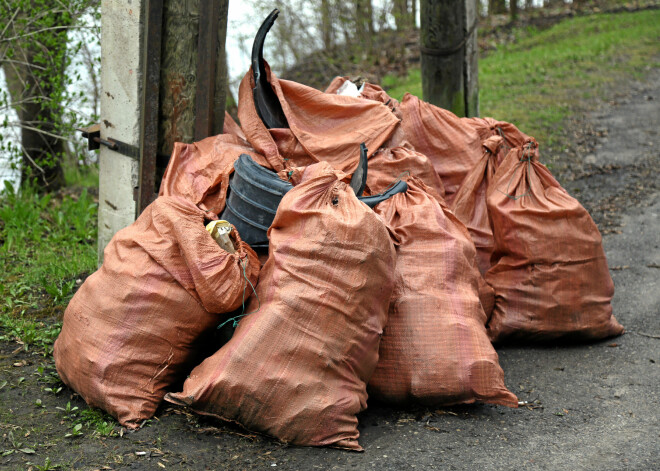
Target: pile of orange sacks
{"points": [[402, 303]]}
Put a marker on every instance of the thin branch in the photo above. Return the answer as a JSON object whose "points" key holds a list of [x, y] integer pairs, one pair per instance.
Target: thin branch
{"points": [[33, 66], [24, 125], [27, 156], [9, 22], [52, 28]]}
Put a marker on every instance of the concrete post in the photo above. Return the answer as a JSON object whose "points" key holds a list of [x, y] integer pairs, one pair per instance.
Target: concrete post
{"points": [[121, 29], [122, 77]]}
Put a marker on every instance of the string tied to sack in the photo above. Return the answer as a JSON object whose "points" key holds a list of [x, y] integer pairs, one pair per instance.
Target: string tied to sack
{"points": [[505, 145], [528, 153], [236, 319]]}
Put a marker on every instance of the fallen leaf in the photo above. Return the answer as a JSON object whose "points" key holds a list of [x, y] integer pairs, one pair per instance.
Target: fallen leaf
{"points": [[27, 451]]}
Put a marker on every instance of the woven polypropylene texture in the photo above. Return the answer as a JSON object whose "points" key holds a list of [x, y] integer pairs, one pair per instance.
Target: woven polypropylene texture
{"points": [[134, 326], [389, 164], [199, 172], [435, 349], [470, 202], [323, 127], [297, 366], [549, 272], [453, 147]]}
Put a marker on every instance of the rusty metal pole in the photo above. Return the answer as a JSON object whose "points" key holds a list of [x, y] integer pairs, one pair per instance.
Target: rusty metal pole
{"points": [[209, 15], [184, 87], [150, 104]]}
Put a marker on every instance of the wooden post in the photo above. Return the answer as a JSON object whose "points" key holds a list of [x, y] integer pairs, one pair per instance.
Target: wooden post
{"points": [[183, 79], [448, 43]]}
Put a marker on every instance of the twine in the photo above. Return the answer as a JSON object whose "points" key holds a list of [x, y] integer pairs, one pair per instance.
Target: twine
{"points": [[505, 145], [527, 157], [236, 319], [448, 51]]}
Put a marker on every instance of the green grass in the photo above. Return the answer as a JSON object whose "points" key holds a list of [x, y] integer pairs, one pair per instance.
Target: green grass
{"points": [[545, 76], [85, 176], [46, 242]]}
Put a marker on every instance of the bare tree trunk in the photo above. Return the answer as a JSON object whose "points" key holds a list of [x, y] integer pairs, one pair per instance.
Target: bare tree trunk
{"points": [[414, 13], [178, 73], [514, 9], [404, 14], [364, 23], [326, 24], [496, 7], [37, 99], [449, 75]]}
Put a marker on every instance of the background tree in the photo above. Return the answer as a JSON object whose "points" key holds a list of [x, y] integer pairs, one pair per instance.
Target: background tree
{"points": [[35, 52], [404, 12], [496, 7], [364, 23], [513, 7], [326, 27]]}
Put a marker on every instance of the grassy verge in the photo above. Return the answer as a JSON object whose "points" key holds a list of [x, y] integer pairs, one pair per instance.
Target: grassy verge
{"points": [[541, 79], [46, 243]]}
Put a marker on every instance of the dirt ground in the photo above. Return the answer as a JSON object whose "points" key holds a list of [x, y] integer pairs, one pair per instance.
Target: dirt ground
{"points": [[590, 407]]}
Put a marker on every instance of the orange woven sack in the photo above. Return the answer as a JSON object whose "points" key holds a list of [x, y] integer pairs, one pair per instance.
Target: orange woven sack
{"points": [[453, 147], [388, 164], [368, 91], [470, 202], [297, 366], [488, 127], [435, 349], [133, 328], [231, 127], [323, 127], [549, 271], [200, 172]]}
